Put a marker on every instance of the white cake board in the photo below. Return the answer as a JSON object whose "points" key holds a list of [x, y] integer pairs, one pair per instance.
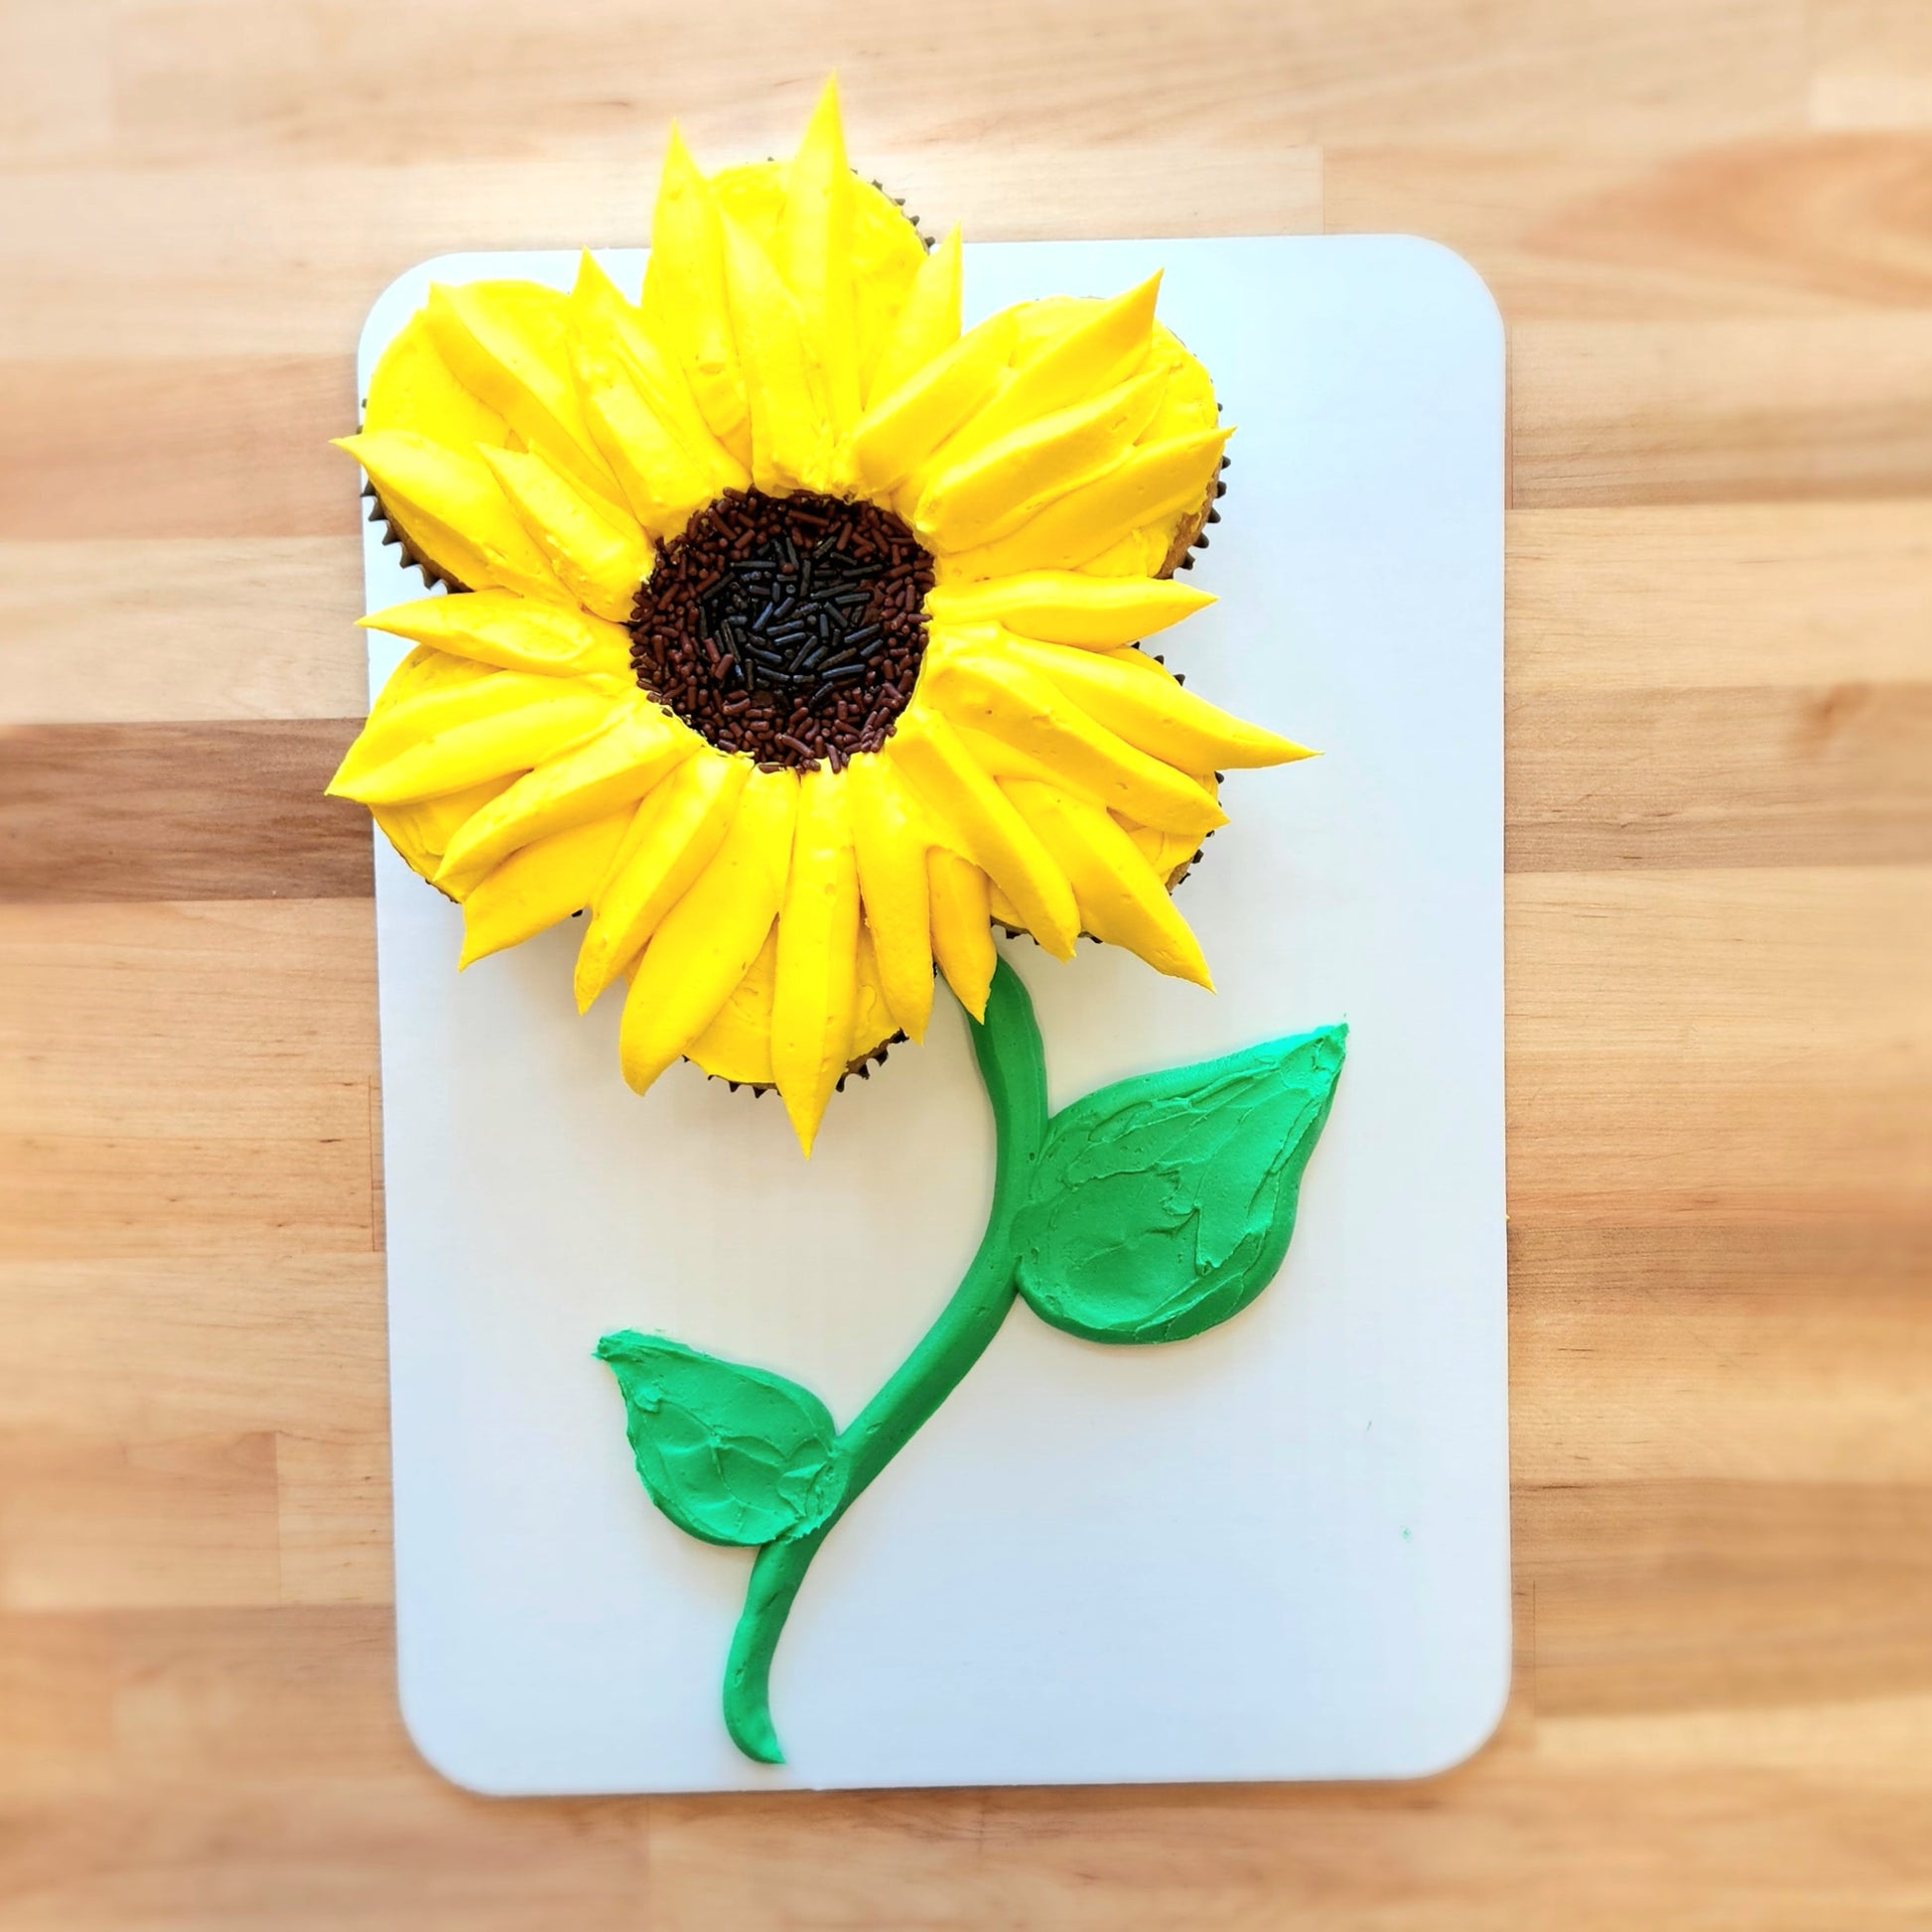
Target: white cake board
{"points": [[1277, 1551]]}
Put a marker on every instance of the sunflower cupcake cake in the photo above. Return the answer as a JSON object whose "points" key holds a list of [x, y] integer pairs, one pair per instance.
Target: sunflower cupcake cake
{"points": [[788, 632], [797, 639]]}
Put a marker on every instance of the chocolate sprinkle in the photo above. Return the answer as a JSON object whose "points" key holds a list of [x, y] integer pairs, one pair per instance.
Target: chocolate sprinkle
{"points": [[789, 629]]}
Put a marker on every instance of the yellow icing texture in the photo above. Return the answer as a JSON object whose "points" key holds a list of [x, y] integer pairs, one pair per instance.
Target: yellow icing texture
{"points": [[779, 924]]}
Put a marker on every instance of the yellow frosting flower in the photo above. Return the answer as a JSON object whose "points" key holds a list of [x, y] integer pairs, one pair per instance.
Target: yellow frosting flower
{"points": [[789, 632]]}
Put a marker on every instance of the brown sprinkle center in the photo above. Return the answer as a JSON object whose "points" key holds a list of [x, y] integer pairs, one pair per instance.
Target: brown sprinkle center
{"points": [[787, 628]]}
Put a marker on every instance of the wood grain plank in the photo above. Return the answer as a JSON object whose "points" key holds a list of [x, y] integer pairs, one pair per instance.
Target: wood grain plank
{"points": [[67, 113], [1508, 1845], [218, 1823], [1746, 1047], [1856, 1745], [1782, 1354], [1745, 410], [333, 1516], [186, 1079], [181, 628], [205, 1693], [107, 1523], [338, 78], [185, 446], [197, 262], [230, 1857], [1718, 597], [1580, 231], [250, 1769], [1598, 780], [286, 1350], [1681, 1595], [1870, 65], [232, 810]]}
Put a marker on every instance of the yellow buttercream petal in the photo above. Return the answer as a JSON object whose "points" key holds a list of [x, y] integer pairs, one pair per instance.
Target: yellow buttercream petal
{"points": [[676, 833], [1063, 607], [887, 256], [1141, 701], [1007, 481], [1000, 759], [818, 938], [997, 693], [451, 505], [737, 1045], [1167, 853], [814, 252], [903, 427], [507, 342], [793, 335], [512, 633], [928, 326], [422, 830], [1121, 902], [509, 721], [685, 302], [612, 346], [891, 838], [661, 482], [1155, 479], [424, 675], [1095, 346], [598, 555], [707, 941], [638, 747], [1141, 552], [595, 292], [413, 388], [425, 670], [873, 1020], [943, 776], [887, 251], [962, 939], [791, 443], [540, 885]]}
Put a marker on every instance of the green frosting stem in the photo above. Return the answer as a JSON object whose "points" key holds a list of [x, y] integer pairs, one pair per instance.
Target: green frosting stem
{"points": [[1013, 1065]]}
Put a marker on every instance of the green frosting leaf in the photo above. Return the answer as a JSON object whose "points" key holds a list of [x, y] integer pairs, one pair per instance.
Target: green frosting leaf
{"points": [[730, 1453], [1162, 1205]]}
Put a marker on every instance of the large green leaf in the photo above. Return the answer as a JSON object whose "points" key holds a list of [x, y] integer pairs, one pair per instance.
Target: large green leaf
{"points": [[1165, 1204], [731, 1454]]}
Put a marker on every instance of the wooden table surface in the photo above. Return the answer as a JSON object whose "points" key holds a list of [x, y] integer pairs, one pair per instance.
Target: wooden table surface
{"points": [[1708, 223]]}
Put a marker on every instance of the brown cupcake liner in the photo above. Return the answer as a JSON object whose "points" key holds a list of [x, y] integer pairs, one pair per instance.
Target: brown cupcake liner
{"points": [[393, 533], [860, 1069], [899, 202], [1193, 534]]}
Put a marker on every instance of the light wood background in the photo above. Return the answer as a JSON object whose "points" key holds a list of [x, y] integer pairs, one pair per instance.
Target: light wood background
{"points": [[1710, 225]]}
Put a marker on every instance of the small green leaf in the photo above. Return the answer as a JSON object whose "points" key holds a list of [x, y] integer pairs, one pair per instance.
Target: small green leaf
{"points": [[1165, 1204], [730, 1453]]}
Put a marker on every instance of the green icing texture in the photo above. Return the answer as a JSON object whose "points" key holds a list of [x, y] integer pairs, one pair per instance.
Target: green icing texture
{"points": [[1146, 1212], [1013, 1065], [730, 1453], [1162, 1205]]}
